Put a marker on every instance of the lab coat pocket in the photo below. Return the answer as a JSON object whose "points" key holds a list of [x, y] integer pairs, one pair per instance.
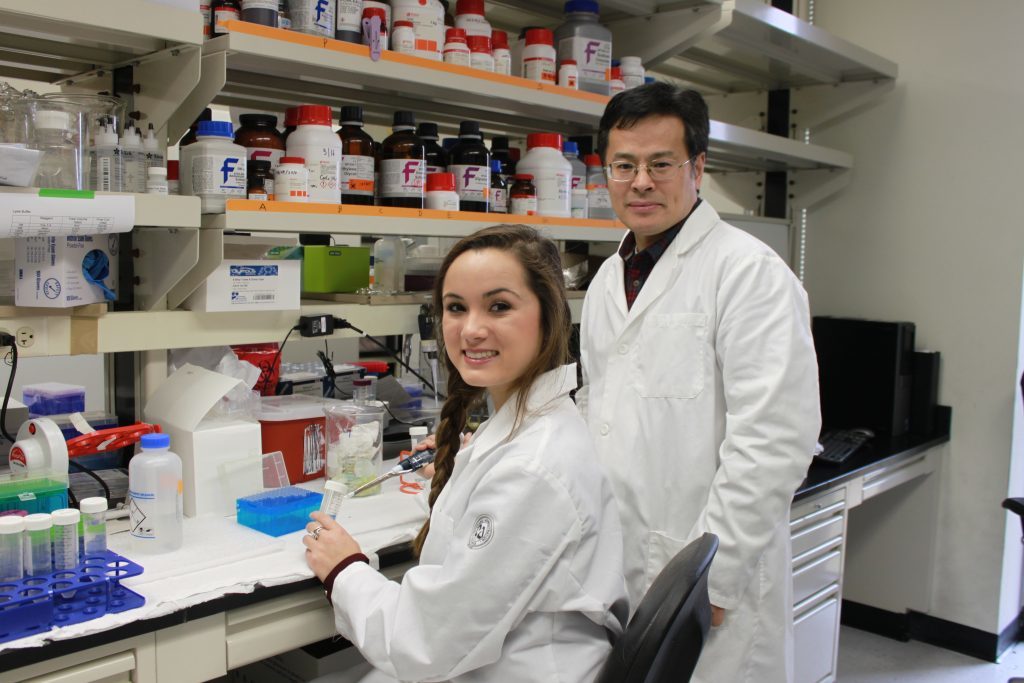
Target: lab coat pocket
{"points": [[660, 549], [671, 355]]}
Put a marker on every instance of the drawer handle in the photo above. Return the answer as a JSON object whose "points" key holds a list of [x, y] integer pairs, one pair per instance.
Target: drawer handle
{"points": [[820, 561]]}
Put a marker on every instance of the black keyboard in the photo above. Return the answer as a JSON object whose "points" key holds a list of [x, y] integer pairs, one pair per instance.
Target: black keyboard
{"points": [[840, 444]]}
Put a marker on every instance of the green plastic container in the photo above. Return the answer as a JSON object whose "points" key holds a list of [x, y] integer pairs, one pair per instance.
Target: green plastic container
{"points": [[327, 270], [33, 495]]}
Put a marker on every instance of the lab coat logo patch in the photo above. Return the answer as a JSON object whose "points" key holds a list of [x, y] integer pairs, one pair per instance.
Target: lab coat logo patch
{"points": [[483, 531]]}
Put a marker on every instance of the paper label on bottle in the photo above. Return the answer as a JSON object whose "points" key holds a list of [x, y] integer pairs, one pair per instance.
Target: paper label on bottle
{"points": [[553, 193], [522, 205], [539, 69], [291, 184], [502, 61], [260, 4], [402, 178], [214, 174], [598, 197], [313, 16], [482, 61], [473, 183], [499, 200], [141, 509], [578, 182], [593, 57], [457, 55], [441, 201], [266, 154], [356, 175], [221, 15], [427, 26], [350, 13]]}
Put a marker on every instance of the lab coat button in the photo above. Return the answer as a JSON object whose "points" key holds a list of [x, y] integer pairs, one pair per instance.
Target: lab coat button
{"points": [[605, 429], [623, 348]]}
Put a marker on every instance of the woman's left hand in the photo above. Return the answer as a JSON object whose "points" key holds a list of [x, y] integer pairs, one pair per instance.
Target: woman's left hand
{"points": [[331, 545]]}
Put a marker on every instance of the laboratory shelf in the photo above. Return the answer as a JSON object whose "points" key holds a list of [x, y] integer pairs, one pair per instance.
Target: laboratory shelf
{"points": [[268, 68], [735, 148], [259, 216], [45, 41], [151, 210]]}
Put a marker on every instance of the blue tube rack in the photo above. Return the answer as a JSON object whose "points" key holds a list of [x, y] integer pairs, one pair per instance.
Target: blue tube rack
{"points": [[35, 604], [278, 511]]}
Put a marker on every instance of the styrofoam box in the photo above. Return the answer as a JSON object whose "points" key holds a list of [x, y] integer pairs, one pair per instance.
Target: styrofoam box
{"points": [[250, 285]]}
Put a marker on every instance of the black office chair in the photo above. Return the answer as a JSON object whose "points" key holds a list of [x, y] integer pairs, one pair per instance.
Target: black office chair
{"points": [[666, 634]]}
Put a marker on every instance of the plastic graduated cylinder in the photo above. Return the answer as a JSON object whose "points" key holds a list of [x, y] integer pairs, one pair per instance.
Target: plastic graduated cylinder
{"points": [[334, 494]]}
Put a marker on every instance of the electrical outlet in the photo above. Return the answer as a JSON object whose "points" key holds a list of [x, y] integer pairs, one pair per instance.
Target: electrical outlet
{"points": [[25, 337]]}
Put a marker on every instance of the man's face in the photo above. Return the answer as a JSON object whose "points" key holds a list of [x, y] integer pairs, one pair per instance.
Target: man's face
{"points": [[646, 206]]}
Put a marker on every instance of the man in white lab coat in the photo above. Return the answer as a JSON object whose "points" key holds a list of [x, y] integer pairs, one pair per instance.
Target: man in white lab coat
{"points": [[700, 383]]}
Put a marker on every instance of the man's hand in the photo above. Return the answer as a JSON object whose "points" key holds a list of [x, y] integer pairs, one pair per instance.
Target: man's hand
{"points": [[717, 616]]}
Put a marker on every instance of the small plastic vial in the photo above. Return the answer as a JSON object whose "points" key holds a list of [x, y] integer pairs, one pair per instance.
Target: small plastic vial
{"points": [[416, 434], [156, 180], [38, 544], [291, 180], [569, 74], [403, 37], [12, 553], [65, 538], [334, 494], [362, 391], [522, 198], [94, 525]]}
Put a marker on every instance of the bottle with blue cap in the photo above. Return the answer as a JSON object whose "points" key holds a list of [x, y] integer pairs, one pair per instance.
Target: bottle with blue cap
{"points": [[213, 168], [155, 497], [583, 39]]}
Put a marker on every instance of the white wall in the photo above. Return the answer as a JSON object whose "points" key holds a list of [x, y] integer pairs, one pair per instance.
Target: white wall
{"points": [[929, 230]]}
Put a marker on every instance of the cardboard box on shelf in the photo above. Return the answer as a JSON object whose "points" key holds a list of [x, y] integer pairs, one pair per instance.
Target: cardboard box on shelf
{"points": [[65, 270], [252, 277]]}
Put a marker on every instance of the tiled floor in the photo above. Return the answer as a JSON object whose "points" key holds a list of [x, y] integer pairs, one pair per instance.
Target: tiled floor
{"points": [[867, 658]]}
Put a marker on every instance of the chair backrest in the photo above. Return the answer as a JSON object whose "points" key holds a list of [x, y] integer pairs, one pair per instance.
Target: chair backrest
{"points": [[664, 638]]}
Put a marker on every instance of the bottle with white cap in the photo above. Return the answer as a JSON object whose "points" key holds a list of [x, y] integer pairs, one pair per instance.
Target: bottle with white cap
{"points": [[154, 485], [12, 554], [59, 166], [129, 159], [417, 434], [156, 180], [104, 170], [552, 173], [65, 538], [633, 73], [38, 546], [94, 525]]}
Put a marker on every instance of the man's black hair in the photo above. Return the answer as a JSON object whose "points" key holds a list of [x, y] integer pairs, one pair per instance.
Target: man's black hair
{"points": [[629, 107]]}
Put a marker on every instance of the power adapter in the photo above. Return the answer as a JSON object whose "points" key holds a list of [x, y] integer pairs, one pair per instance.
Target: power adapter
{"points": [[316, 325]]}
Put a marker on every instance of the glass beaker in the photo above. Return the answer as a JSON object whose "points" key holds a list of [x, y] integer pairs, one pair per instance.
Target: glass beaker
{"points": [[97, 114], [355, 444]]}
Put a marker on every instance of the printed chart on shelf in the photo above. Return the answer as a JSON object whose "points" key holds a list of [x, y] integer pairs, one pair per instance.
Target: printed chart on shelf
{"points": [[30, 215]]}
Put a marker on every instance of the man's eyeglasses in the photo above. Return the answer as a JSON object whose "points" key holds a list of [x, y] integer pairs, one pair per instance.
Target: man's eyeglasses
{"points": [[626, 171]]}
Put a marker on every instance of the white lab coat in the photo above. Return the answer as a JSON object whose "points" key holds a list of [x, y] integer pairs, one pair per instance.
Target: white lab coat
{"points": [[703, 403], [520, 578]]}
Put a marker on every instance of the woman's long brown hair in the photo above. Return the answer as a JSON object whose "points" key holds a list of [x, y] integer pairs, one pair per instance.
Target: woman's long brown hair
{"points": [[542, 264]]}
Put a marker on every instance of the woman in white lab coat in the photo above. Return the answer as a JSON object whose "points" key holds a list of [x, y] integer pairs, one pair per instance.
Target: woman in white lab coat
{"points": [[520, 572]]}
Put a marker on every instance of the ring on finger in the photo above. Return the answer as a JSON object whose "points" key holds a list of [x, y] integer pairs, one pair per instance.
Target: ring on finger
{"points": [[315, 533]]}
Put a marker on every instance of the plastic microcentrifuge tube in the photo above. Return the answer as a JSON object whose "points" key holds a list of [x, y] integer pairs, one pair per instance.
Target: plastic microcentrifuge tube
{"points": [[334, 494], [65, 538], [38, 544], [12, 565], [94, 525]]}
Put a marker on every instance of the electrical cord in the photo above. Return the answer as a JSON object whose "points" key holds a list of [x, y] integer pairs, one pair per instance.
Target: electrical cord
{"points": [[82, 468], [341, 323], [338, 393], [8, 340], [277, 355]]}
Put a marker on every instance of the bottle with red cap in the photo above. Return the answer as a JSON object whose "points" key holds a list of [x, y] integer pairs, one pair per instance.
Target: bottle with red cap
{"points": [[456, 49], [469, 14], [615, 82], [315, 141], [569, 74], [552, 173], [480, 53], [370, 13], [501, 52], [172, 177], [402, 165], [441, 194], [539, 56]]}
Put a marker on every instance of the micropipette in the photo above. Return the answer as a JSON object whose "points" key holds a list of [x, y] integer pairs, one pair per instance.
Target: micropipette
{"points": [[414, 462]]}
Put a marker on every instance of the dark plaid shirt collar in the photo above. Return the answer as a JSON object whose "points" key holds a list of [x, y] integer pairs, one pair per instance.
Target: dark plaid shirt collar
{"points": [[639, 264]]}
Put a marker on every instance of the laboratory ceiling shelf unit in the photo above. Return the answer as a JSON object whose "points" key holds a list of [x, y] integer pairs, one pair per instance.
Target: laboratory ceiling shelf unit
{"points": [[719, 46], [257, 216], [46, 40]]}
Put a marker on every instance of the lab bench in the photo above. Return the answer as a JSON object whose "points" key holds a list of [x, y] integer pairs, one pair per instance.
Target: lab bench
{"points": [[205, 640]]}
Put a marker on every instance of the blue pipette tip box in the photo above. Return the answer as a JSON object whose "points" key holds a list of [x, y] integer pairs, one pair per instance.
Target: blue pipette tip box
{"points": [[279, 511]]}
